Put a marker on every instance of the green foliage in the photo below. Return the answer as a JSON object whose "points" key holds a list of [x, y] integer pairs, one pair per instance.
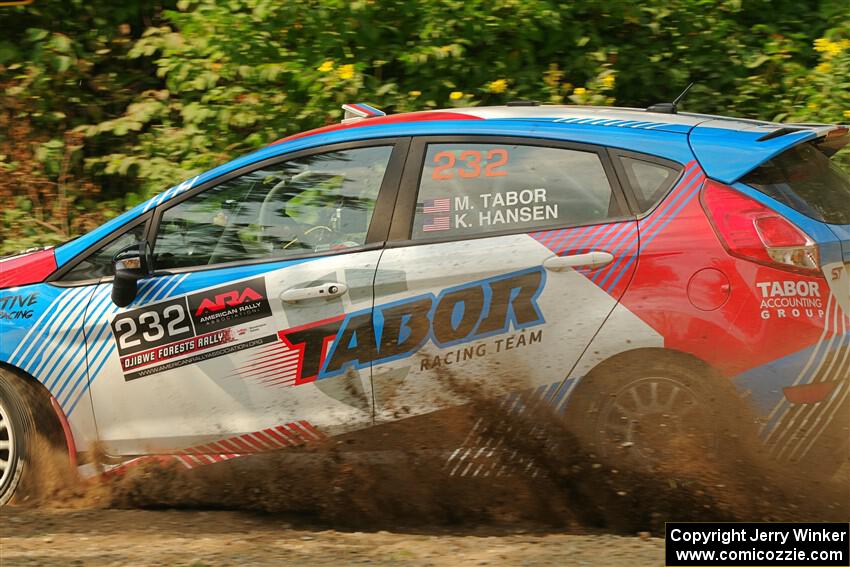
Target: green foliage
{"points": [[62, 65], [155, 92]]}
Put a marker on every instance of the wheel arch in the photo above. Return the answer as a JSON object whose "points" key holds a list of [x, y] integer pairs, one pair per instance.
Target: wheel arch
{"points": [[708, 379], [708, 376], [642, 355]]}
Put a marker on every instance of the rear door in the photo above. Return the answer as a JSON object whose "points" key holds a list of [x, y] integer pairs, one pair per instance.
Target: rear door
{"points": [[222, 350], [506, 257]]}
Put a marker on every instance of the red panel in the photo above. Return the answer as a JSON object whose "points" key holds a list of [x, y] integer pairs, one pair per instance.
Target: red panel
{"points": [[761, 321], [809, 393], [423, 116], [27, 268]]}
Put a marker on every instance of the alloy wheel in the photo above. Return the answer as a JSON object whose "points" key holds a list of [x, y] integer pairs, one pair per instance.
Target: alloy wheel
{"points": [[647, 416], [7, 447]]}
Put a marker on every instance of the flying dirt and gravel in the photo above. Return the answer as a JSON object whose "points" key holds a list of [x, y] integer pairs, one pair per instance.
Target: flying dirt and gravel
{"points": [[534, 497]]}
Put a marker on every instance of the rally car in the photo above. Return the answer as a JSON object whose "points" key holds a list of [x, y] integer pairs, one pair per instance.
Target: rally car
{"points": [[623, 265]]}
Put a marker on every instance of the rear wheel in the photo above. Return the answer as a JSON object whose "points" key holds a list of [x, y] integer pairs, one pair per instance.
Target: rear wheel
{"points": [[647, 415]]}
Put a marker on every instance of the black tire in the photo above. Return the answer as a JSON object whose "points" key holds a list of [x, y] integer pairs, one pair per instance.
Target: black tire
{"points": [[22, 406], [644, 412], [14, 421]]}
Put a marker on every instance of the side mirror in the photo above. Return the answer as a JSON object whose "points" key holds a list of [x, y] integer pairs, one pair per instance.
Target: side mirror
{"points": [[131, 264]]}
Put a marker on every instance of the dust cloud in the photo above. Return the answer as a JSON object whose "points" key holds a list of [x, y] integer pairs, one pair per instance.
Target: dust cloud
{"points": [[472, 464]]}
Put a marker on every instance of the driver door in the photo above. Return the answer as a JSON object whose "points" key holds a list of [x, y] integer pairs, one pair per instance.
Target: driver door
{"points": [[223, 344]]}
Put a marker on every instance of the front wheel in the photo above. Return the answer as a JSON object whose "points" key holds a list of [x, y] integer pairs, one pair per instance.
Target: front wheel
{"points": [[12, 442], [22, 408]]}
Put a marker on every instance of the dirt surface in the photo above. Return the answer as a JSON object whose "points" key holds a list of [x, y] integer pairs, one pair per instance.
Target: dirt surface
{"points": [[324, 508], [524, 491], [139, 537]]}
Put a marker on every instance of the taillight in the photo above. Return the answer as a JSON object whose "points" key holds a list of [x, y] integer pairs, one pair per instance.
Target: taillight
{"points": [[755, 232]]}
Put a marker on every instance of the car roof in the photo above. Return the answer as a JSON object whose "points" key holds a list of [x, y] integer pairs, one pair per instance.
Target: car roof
{"points": [[713, 140], [618, 117], [726, 147]]}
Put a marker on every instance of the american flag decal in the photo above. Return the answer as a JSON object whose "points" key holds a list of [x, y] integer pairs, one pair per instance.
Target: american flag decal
{"points": [[437, 223], [442, 205]]}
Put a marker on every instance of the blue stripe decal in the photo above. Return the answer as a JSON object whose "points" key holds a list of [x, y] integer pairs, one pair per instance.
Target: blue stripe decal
{"points": [[645, 241]]}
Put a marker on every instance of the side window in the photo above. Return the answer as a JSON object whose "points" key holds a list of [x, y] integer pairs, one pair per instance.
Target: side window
{"points": [[473, 189], [650, 181], [98, 264], [318, 203]]}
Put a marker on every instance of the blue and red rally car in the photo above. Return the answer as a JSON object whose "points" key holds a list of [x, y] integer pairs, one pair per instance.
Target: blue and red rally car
{"points": [[622, 265]]}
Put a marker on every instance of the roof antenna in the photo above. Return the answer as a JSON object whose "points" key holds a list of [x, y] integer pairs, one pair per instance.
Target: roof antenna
{"points": [[670, 107]]}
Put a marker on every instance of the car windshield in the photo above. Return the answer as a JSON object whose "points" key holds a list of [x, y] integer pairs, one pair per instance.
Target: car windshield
{"points": [[805, 179]]}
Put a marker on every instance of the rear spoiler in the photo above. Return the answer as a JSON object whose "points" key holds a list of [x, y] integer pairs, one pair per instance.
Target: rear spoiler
{"points": [[833, 140], [727, 150]]}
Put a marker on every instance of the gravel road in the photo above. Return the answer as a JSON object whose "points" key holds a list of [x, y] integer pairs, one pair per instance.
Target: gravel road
{"points": [[327, 505], [49, 537]]}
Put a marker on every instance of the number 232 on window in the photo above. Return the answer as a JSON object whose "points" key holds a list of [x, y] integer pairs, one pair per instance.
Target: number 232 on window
{"points": [[472, 164]]}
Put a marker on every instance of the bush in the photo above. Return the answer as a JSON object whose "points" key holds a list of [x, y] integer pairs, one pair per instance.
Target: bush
{"points": [[165, 90]]}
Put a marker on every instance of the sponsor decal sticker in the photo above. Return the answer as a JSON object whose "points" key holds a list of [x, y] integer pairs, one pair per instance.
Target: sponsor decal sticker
{"points": [[218, 308], [192, 329], [790, 299], [398, 330], [19, 306]]}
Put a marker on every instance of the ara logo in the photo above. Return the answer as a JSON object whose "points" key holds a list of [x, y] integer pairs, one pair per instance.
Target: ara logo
{"points": [[398, 330], [232, 298], [229, 305]]}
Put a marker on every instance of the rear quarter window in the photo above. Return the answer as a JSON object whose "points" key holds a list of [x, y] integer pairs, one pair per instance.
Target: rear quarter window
{"points": [[650, 181], [807, 181]]}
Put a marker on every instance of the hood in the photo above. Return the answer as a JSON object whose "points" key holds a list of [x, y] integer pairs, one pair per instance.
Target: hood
{"points": [[27, 268]]}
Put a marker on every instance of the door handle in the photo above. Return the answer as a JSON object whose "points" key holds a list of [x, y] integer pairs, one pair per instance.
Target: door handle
{"points": [[322, 291], [592, 260]]}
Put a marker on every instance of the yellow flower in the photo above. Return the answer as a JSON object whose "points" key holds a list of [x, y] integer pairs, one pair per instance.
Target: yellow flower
{"points": [[830, 48], [415, 93], [608, 81], [580, 91], [847, 114], [346, 72], [823, 68], [498, 86], [456, 95], [812, 106], [326, 67]]}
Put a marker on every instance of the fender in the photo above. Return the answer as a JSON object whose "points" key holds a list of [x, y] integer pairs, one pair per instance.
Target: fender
{"points": [[66, 430]]}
